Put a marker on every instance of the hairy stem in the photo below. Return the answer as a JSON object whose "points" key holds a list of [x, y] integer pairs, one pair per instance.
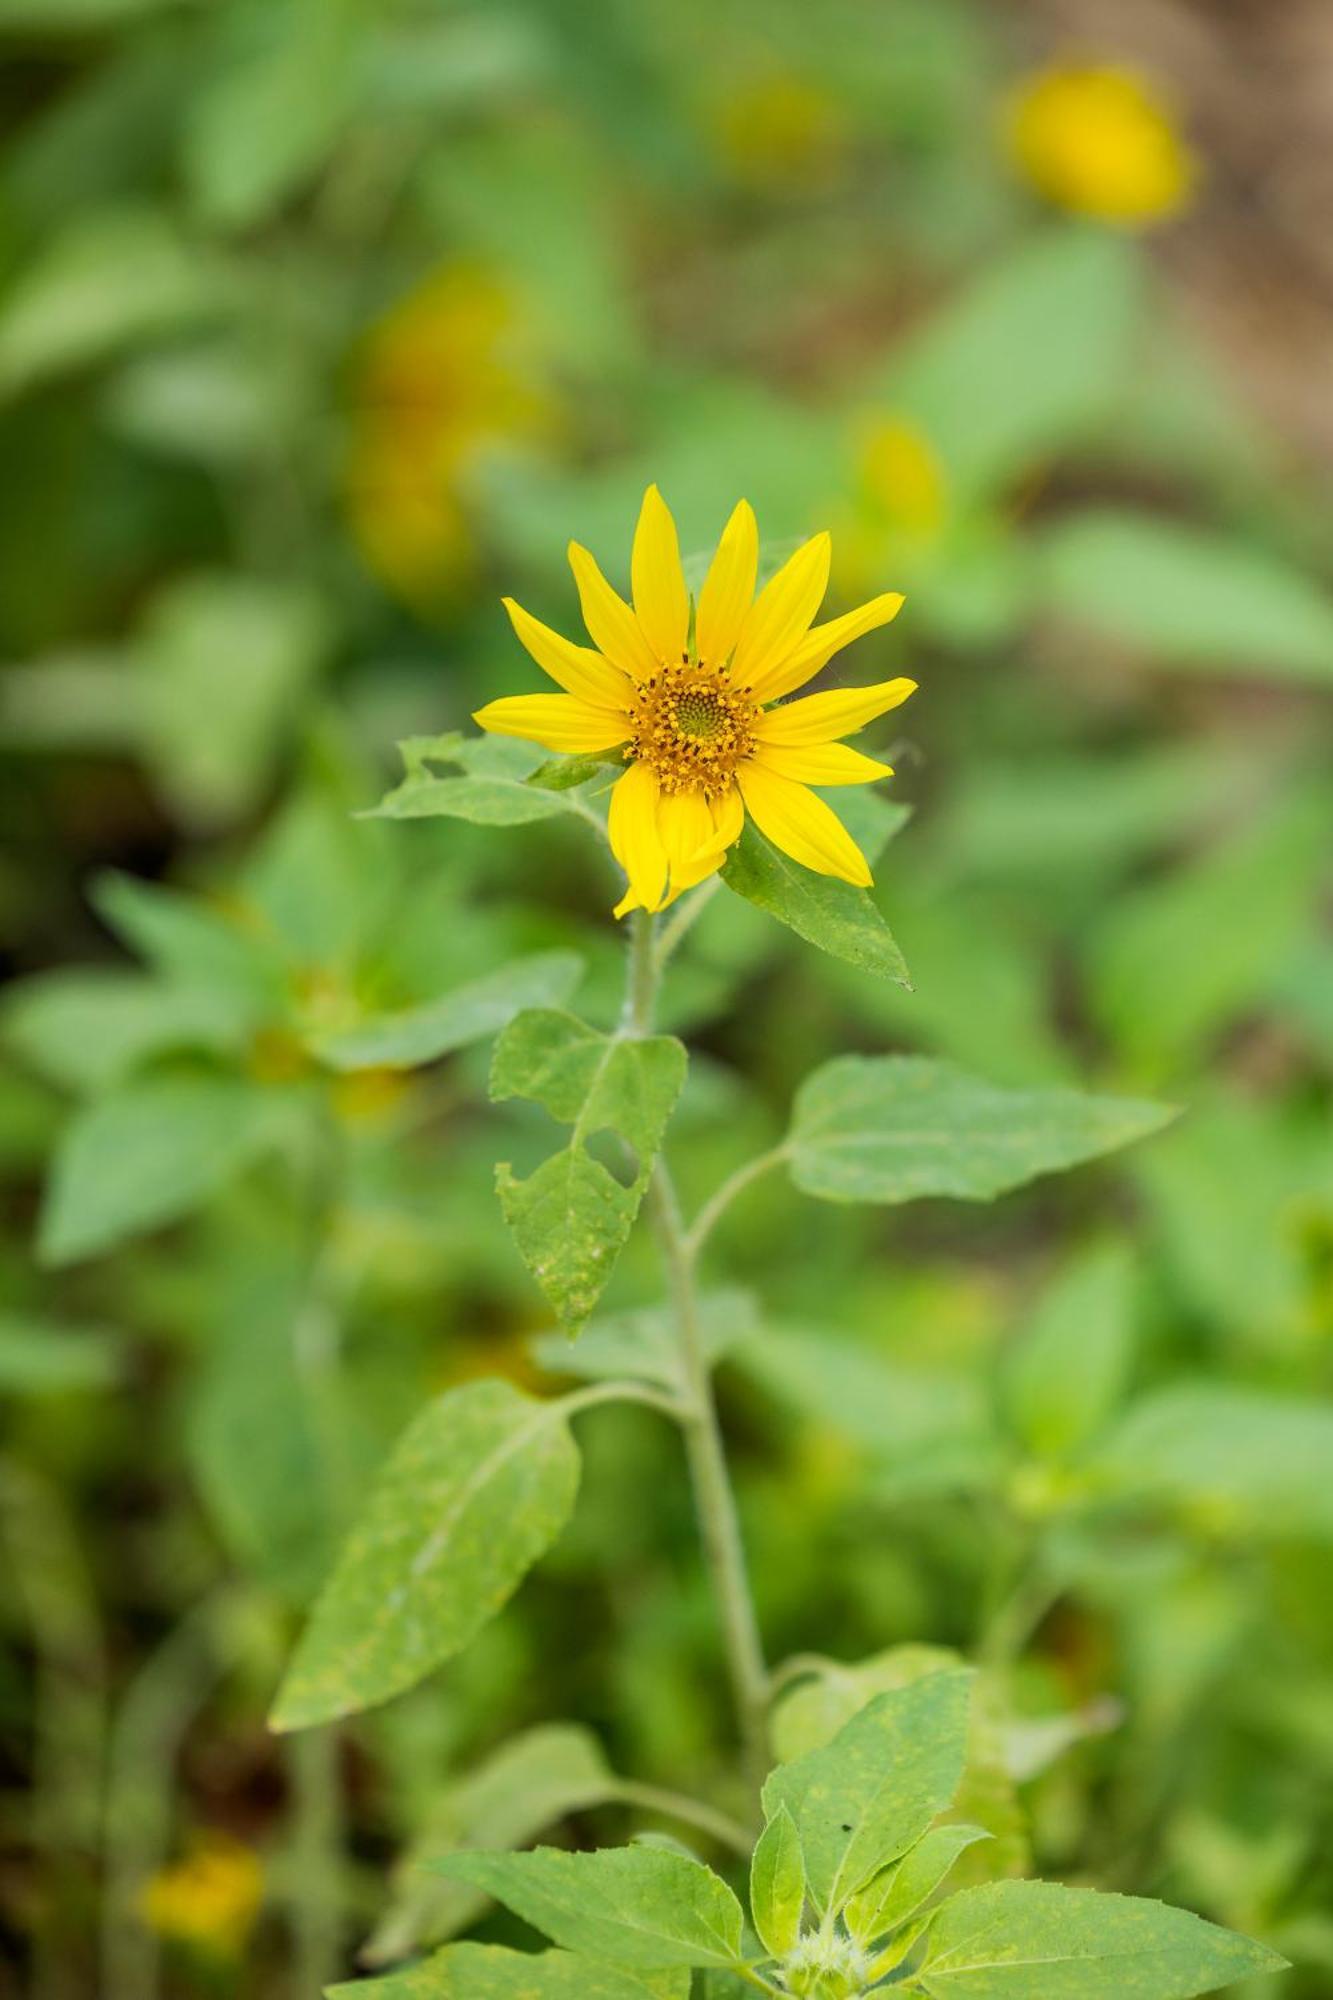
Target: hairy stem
{"points": [[714, 1501]]}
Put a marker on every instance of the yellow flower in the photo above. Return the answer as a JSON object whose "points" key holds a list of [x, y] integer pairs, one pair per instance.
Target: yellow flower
{"points": [[779, 130], [1103, 142], [689, 704], [209, 1900], [439, 382]]}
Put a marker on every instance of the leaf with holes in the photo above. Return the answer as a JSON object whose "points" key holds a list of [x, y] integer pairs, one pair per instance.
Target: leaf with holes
{"points": [[478, 1488], [571, 1217]]}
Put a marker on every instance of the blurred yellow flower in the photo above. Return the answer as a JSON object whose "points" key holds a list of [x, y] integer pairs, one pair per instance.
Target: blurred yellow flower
{"points": [[209, 1900], [901, 502], [686, 698], [778, 130], [438, 384], [1103, 142]]}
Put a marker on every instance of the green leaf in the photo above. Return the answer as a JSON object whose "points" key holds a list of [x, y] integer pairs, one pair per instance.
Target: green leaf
{"points": [[1041, 1941], [633, 1905], [810, 1714], [1236, 1460], [864, 1798], [645, 1343], [111, 278], [571, 1217], [190, 943], [223, 664], [85, 1027], [1179, 959], [42, 1357], [891, 1410], [494, 790], [468, 1013], [562, 774], [145, 1155], [1063, 1377], [474, 1492], [531, 1782], [836, 916], [1189, 597], [777, 1884], [900, 1891], [895, 1128], [1031, 358], [490, 1972]]}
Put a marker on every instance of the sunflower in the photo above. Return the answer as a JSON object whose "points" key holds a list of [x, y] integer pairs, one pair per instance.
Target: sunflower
{"points": [[693, 705]]}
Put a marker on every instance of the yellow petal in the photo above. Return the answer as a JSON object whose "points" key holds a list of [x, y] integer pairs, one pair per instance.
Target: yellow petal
{"points": [[818, 718], [797, 820], [576, 669], [695, 838], [728, 819], [614, 629], [559, 721], [821, 764], [821, 643], [779, 617], [728, 588], [635, 841], [661, 601]]}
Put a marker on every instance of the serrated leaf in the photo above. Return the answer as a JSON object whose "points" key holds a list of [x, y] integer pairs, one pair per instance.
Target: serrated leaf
{"points": [[900, 1891], [1241, 1460], [808, 1716], [571, 1217], [1042, 1941], [490, 1972], [469, 1013], [637, 1906], [864, 1798], [646, 1343], [838, 917], [478, 1488], [1189, 597], [896, 1128], [777, 1884], [492, 790], [531, 1782], [145, 1155]]}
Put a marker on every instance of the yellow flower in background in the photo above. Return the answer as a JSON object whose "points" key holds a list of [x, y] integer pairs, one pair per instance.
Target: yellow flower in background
{"points": [[208, 1901], [438, 384], [903, 480], [688, 700], [1103, 142], [778, 130]]}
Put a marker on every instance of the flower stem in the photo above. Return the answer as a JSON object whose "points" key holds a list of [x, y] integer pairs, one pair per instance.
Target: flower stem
{"points": [[715, 1505]]}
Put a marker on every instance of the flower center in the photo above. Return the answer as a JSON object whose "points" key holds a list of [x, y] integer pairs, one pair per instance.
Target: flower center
{"points": [[692, 728]]}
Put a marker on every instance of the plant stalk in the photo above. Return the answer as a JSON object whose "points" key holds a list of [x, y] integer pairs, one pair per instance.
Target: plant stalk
{"points": [[715, 1505]]}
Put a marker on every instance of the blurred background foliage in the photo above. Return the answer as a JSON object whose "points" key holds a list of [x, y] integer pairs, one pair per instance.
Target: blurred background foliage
{"points": [[322, 322]]}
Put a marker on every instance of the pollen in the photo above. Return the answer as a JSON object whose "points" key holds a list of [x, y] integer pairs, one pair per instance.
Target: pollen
{"points": [[692, 727]]}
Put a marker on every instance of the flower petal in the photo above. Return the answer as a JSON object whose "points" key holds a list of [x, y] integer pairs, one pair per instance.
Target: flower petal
{"points": [[821, 642], [661, 601], [797, 820], [635, 841], [695, 847], [777, 620], [559, 721], [821, 763], [614, 629], [728, 588], [576, 669], [818, 718]]}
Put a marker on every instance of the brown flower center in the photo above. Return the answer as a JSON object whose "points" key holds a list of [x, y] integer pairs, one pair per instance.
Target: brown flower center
{"points": [[692, 727]]}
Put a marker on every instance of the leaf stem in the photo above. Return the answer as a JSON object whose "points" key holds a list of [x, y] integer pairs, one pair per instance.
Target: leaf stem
{"points": [[714, 1501], [706, 1221], [620, 1392], [691, 1812], [693, 906]]}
